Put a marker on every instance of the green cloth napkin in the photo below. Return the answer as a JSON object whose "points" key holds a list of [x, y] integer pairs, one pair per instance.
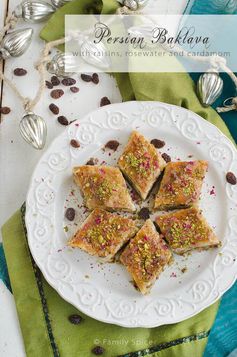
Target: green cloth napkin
{"points": [[42, 313]]}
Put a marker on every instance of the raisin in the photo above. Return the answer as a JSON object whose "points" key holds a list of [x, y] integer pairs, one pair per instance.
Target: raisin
{"points": [[98, 350], [57, 93], [54, 109], [55, 81], [63, 120], [75, 143], [92, 161], [48, 84], [144, 213], [86, 77], [74, 89], [112, 145], [158, 143], [104, 101], [70, 214], [231, 178], [166, 157], [20, 72], [95, 78], [68, 81], [75, 319], [5, 110]]}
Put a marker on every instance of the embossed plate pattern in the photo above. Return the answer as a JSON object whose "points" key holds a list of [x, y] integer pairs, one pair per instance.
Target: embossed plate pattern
{"points": [[104, 292]]}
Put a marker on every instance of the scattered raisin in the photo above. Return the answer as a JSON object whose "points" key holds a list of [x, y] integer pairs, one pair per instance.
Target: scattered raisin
{"points": [[75, 319], [231, 178], [92, 161], [95, 78], [144, 213], [98, 350], [70, 214], [20, 72], [55, 81], [112, 145], [63, 120], [68, 81], [75, 143], [86, 77], [74, 89], [54, 109], [56, 93], [104, 101], [166, 157], [158, 143], [48, 84], [5, 110]]}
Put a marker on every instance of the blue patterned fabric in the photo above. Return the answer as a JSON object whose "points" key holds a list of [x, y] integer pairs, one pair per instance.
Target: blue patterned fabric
{"points": [[202, 7]]}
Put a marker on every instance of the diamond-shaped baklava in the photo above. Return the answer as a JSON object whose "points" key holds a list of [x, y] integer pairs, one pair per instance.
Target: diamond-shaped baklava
{"points": [[103, 187], [103, 234], [141, 163], [145, 257], [187, 229], [181, 185]]}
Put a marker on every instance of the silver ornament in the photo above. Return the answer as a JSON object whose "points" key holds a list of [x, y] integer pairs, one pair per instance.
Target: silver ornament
{"points": [[15, 43], [95, 54], [59, 3], [133, 4], [33, 129], [34, 10], [209, 87], [61, 61]]}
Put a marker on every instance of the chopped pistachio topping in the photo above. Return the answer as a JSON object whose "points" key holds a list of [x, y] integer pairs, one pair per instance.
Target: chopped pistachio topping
{"points": [[184, 231]]}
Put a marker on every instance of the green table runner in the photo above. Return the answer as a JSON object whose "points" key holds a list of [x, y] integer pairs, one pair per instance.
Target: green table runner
{"points": [[42, 313]]}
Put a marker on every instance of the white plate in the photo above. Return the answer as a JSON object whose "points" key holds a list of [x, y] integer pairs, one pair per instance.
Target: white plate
{"points": [[104, 291]]}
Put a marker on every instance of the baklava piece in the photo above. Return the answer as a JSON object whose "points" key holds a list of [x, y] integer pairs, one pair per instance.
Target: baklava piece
{"points": [[103, 187], [187, 229], [145, 257], [181, 185], [103, 234], [141, 163]]}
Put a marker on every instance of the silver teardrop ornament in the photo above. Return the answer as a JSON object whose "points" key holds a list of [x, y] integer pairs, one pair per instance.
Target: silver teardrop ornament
{"points": [[33, 129], [209, 87], [134, 4], [60, 62], [15, 43], [34, 10], [59, 3], [95, 54]]}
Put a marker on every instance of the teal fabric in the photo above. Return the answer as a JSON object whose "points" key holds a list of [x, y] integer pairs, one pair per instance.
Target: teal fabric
{"points": [[201, 7], [223, 336], [3, 269]]}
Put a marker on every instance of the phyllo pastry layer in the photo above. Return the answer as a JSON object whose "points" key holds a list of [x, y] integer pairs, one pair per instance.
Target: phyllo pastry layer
{"points": [[103, 187], [145, 257], [141, 163], [187, 229], [181, 185], [103, 234]]}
